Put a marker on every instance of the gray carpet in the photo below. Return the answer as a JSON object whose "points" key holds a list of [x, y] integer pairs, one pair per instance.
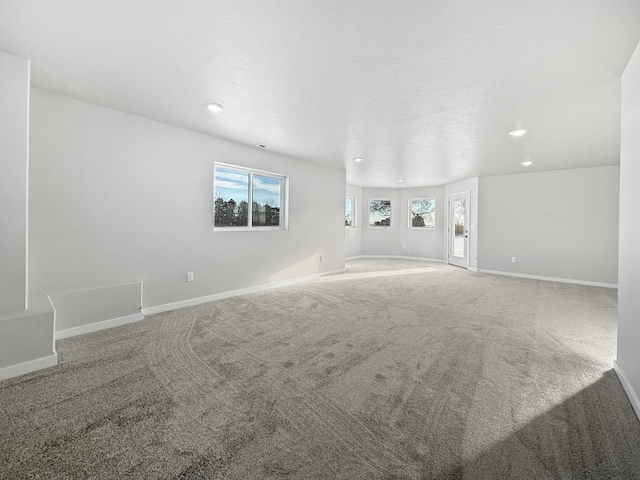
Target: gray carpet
{"points": [[394, 370]]}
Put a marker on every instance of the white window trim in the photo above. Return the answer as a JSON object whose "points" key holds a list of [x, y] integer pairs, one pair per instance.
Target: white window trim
{"points": [[284, 198], [380, 227], [354, 216], [411, 227]]}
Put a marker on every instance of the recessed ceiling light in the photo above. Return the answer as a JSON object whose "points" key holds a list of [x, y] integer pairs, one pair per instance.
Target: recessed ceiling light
{"points": [[400, 181], [518, 133], [526, 163], [214, 107], [357, 159], [266, 147]]}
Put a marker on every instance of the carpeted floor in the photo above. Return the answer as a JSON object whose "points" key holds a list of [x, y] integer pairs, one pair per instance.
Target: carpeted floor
{"points": [[394, 370]]}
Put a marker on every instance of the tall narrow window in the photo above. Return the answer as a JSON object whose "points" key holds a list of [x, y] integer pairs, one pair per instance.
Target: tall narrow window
{"points": [[422, 213], [379, 213], [237, 188], [349, 212]]}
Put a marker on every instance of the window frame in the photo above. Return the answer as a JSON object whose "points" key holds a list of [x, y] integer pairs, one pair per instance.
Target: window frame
{"points": [[435, 206], [353, 212], [284, 199], [390, 212]]}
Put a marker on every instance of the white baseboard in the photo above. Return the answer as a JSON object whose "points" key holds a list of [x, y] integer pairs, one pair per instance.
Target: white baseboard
{"points": [[97, 326], [234, 293], [549, 279], [27, 367], [403, 257], [633, 398]]}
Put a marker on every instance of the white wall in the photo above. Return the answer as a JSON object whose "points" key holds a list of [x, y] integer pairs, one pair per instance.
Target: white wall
{"points": [[117, 198], [381, 240], [628, 360], [26, 336], [470, 185], [26, 342], [353, 235], [561, 224], [14, 158], [79, 309], [399, 239], [422, 243]]}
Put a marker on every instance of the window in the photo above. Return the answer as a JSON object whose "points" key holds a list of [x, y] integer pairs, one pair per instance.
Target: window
{"points": [[350, 212], [235, 188], [379, 213], [422, 213]]}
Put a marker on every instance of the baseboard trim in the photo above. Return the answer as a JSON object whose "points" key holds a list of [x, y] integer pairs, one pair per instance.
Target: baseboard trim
{"points": [[97, 326], [27, 367], [234, 293], [404, 257], [628, 389], [549, 279]]}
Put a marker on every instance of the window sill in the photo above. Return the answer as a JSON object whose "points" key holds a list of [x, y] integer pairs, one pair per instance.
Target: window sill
{"points": [[246, 229]]}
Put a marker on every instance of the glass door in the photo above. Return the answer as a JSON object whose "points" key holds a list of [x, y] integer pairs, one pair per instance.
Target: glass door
{"points": [[458, 230]]}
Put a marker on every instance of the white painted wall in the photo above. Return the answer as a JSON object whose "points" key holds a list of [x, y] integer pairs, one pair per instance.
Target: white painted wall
{"points": [[14, 159], [522, 216], [422, 243], [117, 198], [26, 342], [381, 240], [26, 336], [470, 185], [561, 224], [88, 306], [628, 359], [399, 239], [353, 235]]}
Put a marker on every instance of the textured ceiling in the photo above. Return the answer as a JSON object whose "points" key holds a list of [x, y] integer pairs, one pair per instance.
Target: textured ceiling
{"points": [[425, 91]]}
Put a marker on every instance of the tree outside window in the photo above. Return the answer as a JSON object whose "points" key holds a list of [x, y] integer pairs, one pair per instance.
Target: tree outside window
{"points": [[379, 213], [236, 189], [423, 213]]}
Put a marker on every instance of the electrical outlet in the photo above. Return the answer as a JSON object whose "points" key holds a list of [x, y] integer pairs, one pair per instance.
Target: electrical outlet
{"points": [[189, 276], [404, 247], [514, 259], [321, 258]]}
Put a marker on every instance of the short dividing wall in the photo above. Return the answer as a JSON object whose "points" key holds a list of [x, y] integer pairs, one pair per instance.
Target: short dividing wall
{"points": [[26, 342], [88, 310]]}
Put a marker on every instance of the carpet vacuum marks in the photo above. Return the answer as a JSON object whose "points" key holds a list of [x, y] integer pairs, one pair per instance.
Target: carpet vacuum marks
{"points": [[237, 379]]}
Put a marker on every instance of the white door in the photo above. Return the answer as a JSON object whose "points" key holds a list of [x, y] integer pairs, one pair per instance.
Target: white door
{"points": [[458, 230]]}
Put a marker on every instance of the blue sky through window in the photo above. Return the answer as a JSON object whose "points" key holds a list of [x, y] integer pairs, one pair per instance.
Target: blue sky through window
{"points": [[230, 184], [266, 190], [348, 212]]}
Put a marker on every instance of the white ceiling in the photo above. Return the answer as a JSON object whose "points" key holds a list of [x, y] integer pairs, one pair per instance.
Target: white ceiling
{"points": [[425, 91]]}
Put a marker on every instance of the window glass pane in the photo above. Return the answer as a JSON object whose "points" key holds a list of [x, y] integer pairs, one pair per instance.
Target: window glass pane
{"points": [[266, 201], [423, 213], [231, 198], [379, 213], [348, 212]]}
